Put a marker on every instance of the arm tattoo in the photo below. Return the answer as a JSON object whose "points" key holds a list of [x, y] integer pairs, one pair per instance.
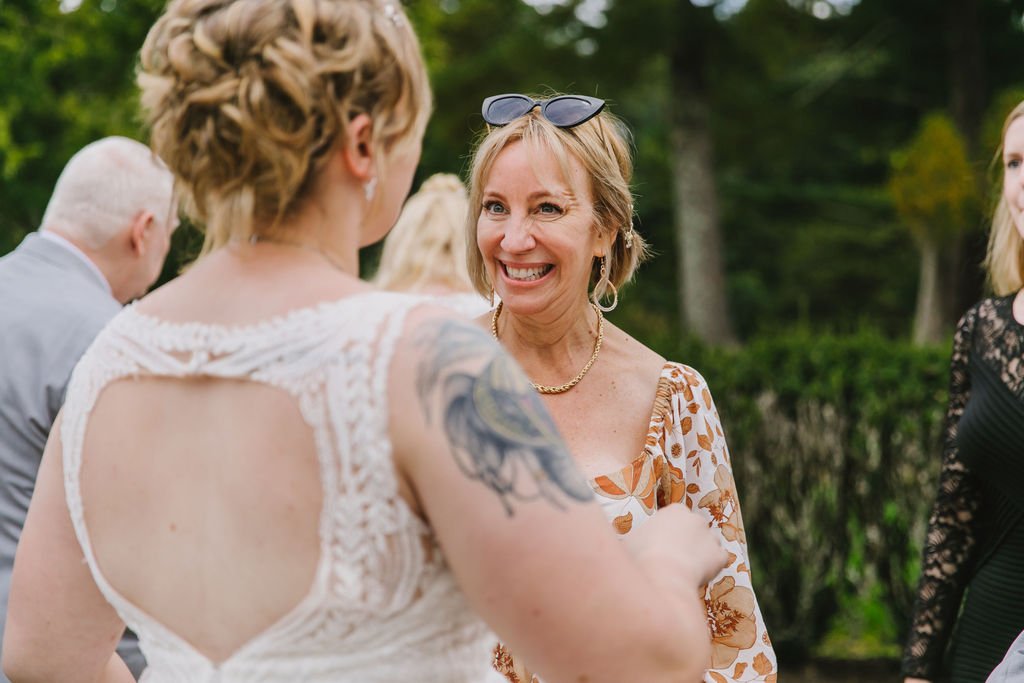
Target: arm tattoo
{"points": [[497, 426]]}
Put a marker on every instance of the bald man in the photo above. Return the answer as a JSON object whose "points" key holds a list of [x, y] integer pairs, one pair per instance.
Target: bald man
{"points": [[102, 243]]}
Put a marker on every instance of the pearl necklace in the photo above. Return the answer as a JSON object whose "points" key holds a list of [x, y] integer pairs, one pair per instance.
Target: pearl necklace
{"points": [[561, 388]]}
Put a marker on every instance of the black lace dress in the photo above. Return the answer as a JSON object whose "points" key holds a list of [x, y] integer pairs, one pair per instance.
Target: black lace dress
{"points": [[974, 551]]}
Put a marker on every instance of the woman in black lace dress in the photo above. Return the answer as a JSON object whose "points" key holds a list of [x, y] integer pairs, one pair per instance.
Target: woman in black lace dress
{"points": [[974, 551]]}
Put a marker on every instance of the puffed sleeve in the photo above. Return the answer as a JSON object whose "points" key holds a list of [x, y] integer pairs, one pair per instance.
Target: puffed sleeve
{"points": [[949, 549], [699, 473]]}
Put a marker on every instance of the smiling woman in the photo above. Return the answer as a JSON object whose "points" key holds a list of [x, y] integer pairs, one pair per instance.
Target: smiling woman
{"points": [[536, 229], [551, 220], [271, 471], [971, 590]]}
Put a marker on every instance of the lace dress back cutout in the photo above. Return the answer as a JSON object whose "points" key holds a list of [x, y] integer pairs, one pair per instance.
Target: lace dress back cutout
{"points": [[383, 605]]}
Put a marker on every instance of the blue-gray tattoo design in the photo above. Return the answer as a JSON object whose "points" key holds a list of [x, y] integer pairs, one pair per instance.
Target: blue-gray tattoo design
{"points": [[497, 426]]}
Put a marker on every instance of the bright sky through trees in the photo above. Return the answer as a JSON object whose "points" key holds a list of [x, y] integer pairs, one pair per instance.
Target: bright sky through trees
{"points": [[591, 12]]}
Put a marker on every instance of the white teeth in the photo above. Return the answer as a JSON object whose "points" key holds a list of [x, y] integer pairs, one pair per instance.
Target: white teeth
{"points": [[527, 274]]}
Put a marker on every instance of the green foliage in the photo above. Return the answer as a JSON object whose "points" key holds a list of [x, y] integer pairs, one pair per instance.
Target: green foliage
{"points": [[862, 628], [835, 445], [991, 137], [932, 183], [68, 80], [477, 48], [1002, 104], [806, 114]]}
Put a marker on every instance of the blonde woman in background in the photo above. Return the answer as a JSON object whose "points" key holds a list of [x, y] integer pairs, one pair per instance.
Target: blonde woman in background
{"points": [[971, 591], [274, 472], [426, 250]]}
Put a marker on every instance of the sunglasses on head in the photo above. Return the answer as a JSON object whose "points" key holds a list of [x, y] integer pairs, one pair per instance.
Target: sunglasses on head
{"points": [[565, 111]]}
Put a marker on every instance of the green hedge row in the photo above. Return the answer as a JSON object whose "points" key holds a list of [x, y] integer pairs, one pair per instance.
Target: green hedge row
{"points": [[836, 445]]}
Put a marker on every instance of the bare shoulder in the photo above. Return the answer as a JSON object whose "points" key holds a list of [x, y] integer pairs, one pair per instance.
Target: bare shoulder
{"points": [[437, 337], [481, 409], [429, 325], [628, 358], [483, 321]]}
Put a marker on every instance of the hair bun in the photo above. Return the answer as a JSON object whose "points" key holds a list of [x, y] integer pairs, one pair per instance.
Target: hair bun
{"points": [[443, 182], [246, 98]]}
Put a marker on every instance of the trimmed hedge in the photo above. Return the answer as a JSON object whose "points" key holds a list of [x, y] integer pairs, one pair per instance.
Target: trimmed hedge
{"points": [[835, 441]]}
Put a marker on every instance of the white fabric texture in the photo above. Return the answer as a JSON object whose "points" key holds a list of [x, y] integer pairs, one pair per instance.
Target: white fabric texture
{"points": [[381, 608]]}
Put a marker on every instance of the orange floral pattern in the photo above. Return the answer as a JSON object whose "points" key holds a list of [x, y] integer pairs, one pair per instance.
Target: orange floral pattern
{"points": [[686, 460]]}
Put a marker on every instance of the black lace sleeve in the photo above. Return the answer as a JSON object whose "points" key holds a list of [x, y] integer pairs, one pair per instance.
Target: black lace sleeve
{"points": [[949, 546]]}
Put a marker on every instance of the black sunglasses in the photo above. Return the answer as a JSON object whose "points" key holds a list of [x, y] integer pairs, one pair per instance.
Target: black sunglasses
{"points": [[565, 111]]}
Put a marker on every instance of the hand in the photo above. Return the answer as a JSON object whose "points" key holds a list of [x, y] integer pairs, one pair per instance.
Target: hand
{"points": [[679, 542], [916, 680]]}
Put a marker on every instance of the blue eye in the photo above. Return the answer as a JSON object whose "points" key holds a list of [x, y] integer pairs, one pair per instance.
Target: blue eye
{"points": [[1013, 163], [494, 207], [549, 209]]}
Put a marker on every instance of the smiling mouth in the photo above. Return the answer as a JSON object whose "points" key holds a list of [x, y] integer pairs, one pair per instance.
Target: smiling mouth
{"points": [[526, 274]]}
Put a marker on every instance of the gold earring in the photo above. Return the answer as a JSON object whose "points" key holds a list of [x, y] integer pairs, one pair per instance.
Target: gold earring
{"points": [[603, 284]]}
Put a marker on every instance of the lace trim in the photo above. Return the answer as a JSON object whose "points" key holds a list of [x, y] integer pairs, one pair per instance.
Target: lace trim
{"points": [[990, 331], [334, 359]]}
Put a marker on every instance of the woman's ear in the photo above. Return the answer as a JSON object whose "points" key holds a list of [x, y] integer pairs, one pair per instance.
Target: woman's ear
{"points": [[357, 153], [603, 243]]}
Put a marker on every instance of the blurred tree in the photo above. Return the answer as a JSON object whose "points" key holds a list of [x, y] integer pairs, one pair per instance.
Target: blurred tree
{"points": [[934, 192], [477, 48], [772, 121], [702, 292], [804, 101], [992, 130], [967, 72], [682, 48], [68, 80]]}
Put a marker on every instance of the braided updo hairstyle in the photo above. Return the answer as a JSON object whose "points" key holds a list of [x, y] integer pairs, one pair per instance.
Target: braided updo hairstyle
{"points": [[246, 99]]}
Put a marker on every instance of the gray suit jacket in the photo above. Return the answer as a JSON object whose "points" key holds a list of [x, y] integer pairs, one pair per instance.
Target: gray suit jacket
{"points": [[52, 306], [1012, 668]]}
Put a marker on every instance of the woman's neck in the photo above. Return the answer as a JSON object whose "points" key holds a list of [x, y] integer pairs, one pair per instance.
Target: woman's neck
{"points": [[557, 334], [325, 226]]}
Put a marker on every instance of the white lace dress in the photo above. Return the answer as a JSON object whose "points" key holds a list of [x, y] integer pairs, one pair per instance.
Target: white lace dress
{"points": [[382, 606]]}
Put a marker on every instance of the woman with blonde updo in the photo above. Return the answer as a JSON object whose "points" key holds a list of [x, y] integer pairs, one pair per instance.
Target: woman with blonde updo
{"points": [[552, 225], [426, 250], [275, 472]]}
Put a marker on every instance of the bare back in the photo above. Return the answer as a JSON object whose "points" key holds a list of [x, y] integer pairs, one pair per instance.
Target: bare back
{"points": [[206, 506], [234, 492]]}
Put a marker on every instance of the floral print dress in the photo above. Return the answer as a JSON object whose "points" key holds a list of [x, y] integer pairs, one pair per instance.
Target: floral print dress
{"points": [[686, 460]]}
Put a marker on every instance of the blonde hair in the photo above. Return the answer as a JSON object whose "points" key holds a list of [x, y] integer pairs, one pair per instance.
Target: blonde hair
{"points": [[246, 99], [1004, 259], [602, 146], [427, 246], [104, 186]]}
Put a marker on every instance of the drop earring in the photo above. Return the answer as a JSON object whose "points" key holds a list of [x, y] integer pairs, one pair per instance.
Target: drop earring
{"points": [[603, 284], [370, 188]]}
